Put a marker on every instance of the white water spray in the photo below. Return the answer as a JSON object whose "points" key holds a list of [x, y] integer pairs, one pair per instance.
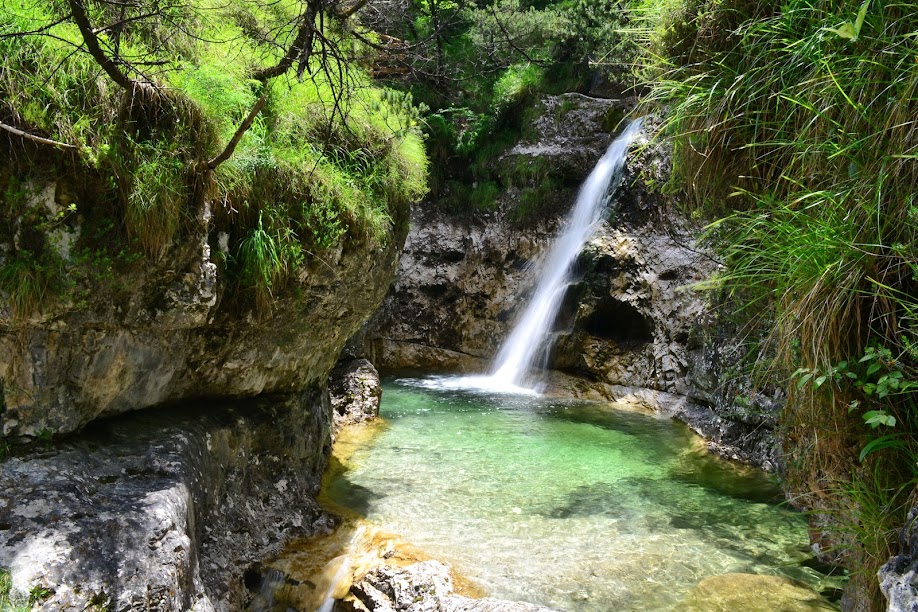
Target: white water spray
{"points": [[528, 340]]}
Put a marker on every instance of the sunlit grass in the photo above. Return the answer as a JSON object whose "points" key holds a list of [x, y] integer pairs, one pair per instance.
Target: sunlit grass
{"points": [[796, 127], [331, 157]]}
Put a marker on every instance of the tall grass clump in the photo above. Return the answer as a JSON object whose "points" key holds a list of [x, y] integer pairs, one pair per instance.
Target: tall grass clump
{"points": [[796, 126]]}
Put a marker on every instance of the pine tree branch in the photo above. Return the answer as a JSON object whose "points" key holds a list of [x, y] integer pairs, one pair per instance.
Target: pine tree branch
{"points": [[240, 132], [38, 139], [95, 50]]}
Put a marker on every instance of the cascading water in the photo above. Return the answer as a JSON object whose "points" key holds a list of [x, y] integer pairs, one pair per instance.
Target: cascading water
{"points": [[528, 342]]}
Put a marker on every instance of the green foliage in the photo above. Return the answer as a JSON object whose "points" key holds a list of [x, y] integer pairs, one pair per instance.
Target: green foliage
{"points": [[156, 195], [262, 264], [8, 603], [795, 129], [29, 282], [518, 82], [482, 69], [483, 196], [330, 158], [31, 272]]}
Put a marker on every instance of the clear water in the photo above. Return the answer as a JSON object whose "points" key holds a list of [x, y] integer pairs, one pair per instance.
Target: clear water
{"points": [[565, 503]]}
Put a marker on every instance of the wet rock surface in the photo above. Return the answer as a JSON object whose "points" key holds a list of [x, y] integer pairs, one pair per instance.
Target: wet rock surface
{"points": [[164, 510], [632, 319], [422, 587]]}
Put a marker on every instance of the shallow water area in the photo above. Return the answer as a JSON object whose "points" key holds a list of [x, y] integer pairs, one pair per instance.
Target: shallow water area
{"points": [[565, 503]]}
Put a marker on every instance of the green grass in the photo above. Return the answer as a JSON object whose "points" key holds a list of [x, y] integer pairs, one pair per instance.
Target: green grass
{"points": [[332, 157], [800, 142], [9, 603]]}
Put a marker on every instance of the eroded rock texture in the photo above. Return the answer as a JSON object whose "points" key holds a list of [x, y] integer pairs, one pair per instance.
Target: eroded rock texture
{"points": [[164, 510], [155, 330], [355, 392], [422, 587]]}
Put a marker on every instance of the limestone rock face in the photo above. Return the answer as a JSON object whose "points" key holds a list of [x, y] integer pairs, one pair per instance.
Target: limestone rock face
{"points": [[422, 587], [899, 576], [569, 131], [153, 331], [355, 392], [164, 511]]}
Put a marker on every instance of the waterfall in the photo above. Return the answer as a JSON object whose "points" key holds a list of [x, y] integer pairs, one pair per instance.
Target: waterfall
{"points": [[528, 343]]}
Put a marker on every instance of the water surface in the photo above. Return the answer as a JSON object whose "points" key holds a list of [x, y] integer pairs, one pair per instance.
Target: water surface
{"points": [[565, 503]]}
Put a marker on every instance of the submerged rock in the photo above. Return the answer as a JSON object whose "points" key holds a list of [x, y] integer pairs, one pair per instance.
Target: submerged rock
{"points": [[753, 593]]}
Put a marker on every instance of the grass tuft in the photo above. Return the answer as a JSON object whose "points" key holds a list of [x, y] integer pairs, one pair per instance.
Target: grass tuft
{"points": [[801, 140]]}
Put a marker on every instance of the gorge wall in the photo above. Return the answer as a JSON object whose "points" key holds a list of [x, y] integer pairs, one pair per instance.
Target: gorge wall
{"points": [[632, 325], [178, 432], [167, 329]]}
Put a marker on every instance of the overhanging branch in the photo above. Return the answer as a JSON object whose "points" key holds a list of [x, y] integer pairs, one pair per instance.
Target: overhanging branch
{"points": [[92, 45], [240, 132], [38, 139]]}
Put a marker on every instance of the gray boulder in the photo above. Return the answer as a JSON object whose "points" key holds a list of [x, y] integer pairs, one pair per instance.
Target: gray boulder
{"points": [[355, 392], [164, 510]]}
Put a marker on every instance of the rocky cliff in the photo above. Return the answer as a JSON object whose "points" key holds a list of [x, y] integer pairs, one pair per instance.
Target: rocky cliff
{"points": [[165, 509], [179, 430], [144, 332]]}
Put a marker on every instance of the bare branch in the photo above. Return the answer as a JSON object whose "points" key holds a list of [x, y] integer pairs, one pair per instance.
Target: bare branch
{"points": [[240, 132], [343, 12], [124, 21], [38, 139], [92, 45], [299, 50], [40, 30], [510, 42]]}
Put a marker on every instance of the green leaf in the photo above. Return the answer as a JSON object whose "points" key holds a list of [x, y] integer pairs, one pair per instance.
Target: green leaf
{"points": [[873, 368], [875, 418], [887, 441], [820, 380], [845, 30], [803, 380], [859, 22]]}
